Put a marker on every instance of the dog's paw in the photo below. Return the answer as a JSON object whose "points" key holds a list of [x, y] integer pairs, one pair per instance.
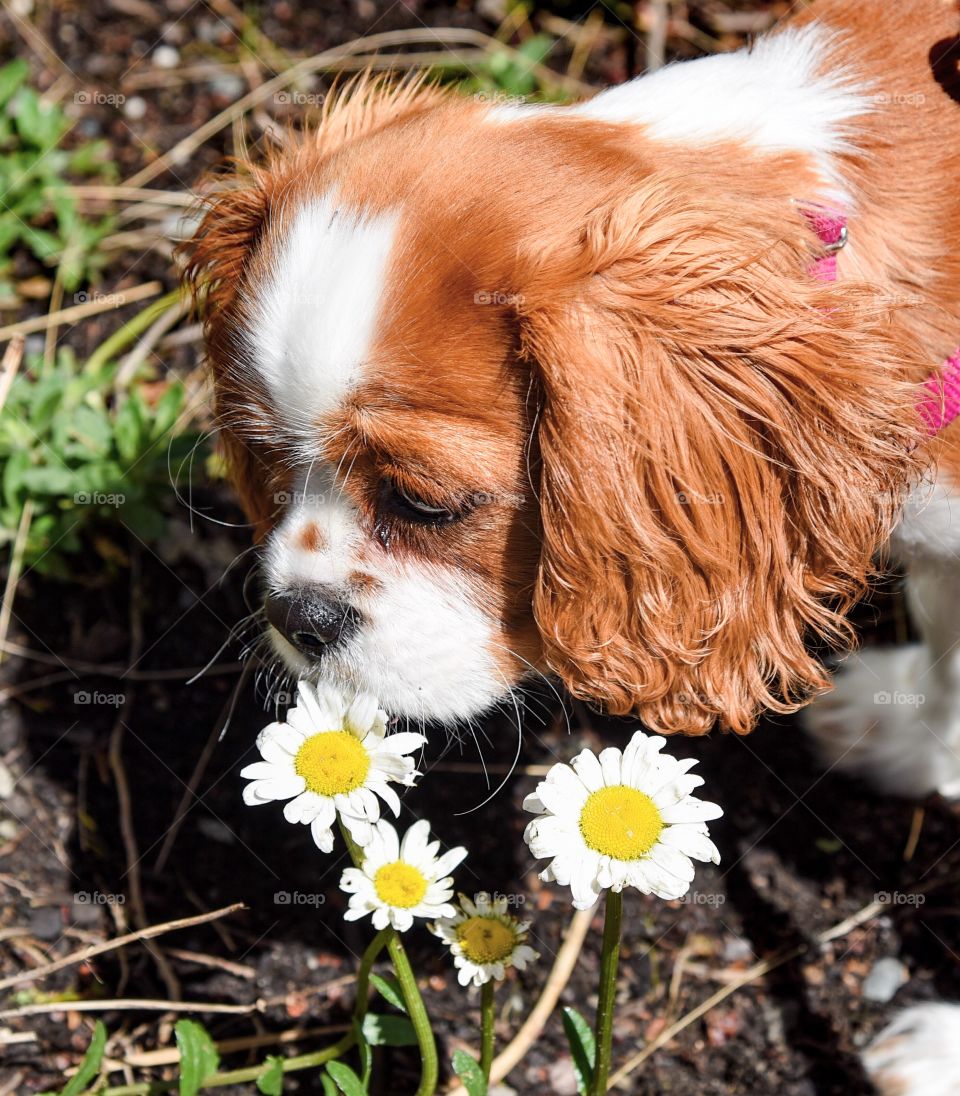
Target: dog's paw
{"points": [[886, 721], [918, 1054]]}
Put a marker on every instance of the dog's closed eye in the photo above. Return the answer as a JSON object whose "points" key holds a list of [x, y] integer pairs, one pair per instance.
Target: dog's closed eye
{"points": [[398, 502]]}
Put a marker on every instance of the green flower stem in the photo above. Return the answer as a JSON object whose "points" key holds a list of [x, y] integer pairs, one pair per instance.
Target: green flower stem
{"points": [[237, 1076], [429, 1069], [609, 961], [486, 1028], [376, 945], [356, 853]]}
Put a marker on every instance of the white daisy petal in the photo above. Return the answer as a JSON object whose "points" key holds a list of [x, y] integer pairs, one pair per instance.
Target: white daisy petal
{"points": [[451, 859], [252, 797], [689, 841], [533, 804], [675, 790], [359, 829], [331, 753], [321, 704], [610, 759], [389, 796], [260, 770], [621, 819], [302, 808], [673, 861], [483, 939], [403, 742], [402, 879], [282, 787], [322, 835], [279, 746], [587, 767], [416, 840], [691, 810]]}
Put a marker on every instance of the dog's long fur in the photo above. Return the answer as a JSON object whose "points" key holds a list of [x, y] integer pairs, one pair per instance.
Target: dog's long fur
{"points": [[665, 453], [718, 443]]}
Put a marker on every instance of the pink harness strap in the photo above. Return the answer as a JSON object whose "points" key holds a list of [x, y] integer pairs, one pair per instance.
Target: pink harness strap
{"points": [[940, 404]]}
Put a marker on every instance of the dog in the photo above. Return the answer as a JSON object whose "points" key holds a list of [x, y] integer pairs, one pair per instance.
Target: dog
{"points": [[629, 393]]}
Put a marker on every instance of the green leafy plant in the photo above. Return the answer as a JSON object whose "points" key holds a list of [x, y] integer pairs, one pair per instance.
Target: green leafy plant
{"points": [[90, 1066], [508, 75], [37, 211], [583, 1047], [198, 1056], [86, 457]]}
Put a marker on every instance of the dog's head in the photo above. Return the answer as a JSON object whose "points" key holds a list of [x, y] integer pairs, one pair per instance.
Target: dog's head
{"points": [[515, 394]]}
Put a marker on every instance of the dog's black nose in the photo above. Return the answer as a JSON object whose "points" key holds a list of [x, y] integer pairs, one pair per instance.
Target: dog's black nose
{"points": [[312, 620]]}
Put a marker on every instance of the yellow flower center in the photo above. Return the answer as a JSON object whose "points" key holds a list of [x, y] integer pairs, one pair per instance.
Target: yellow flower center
{"points": [[486, 939], [400, 884], [332, 762], [620, 822]]}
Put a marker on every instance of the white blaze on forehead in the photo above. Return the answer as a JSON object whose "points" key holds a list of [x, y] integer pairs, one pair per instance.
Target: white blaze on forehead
{"points": [[312, 321]]}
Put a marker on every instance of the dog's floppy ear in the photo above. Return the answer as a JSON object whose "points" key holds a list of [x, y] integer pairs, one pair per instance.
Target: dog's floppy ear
{"points": [[215, 262], [724, 444]]}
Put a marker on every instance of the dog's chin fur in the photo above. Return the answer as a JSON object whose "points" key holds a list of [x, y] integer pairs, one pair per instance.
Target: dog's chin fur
{"points": [[447, 692]]}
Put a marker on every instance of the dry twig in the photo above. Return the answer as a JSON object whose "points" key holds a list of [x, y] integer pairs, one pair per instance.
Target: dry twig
{"points": [[78, 312], [94, 950]]}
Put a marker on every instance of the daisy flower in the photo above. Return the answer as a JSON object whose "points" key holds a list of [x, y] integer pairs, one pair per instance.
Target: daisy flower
{"points": [[623, 819], [484, 939], [332, 755], [400, 880]]}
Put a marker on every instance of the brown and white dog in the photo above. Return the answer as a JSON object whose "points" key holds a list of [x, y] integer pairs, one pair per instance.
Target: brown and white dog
{"points": [[509, 389]]}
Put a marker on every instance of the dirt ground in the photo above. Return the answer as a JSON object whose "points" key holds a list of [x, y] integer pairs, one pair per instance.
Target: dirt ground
{"points": [[119, 806]]}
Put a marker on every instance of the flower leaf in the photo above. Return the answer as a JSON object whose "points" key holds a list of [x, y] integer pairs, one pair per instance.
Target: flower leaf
{"points": [[90, 1066], [198, 1056], [11, 77], [270, 1083], [389, 990], [388, 1031], [366, 1054], [582, 1047], [329, 1088], [347, 1081], [468, 1070]]}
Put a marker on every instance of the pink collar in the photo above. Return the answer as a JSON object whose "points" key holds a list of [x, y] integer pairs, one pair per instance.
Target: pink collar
{"points": [[940, 404]]}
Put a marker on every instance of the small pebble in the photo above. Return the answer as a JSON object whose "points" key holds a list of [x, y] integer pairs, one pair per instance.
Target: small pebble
{"points": [[883, 981], [229, 86], [135, 108], [45, 923], [216, 830], [7, 782], [563, 1079], [736, 949], [165, 57]]}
